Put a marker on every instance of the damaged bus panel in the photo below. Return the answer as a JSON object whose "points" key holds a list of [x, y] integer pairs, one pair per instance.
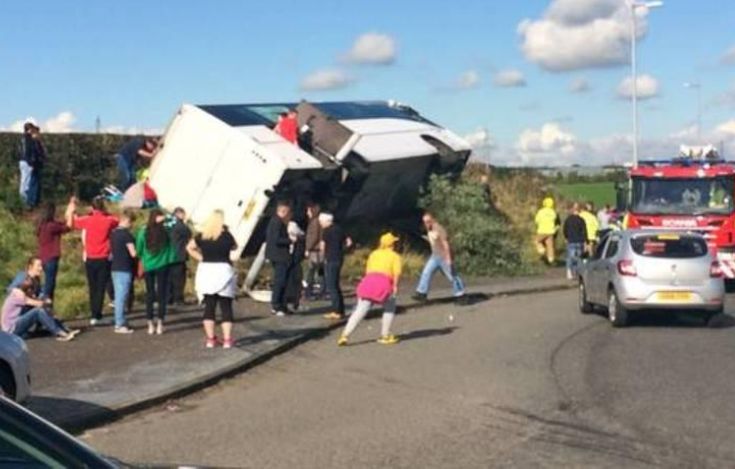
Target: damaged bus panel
{"points": [[361, 160]]}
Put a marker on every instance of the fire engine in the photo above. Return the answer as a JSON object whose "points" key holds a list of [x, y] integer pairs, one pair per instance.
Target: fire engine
{"points": [[693, 192]]}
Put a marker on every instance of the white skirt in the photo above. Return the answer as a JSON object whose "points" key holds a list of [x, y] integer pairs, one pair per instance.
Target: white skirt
{"points": [[215, 278]]}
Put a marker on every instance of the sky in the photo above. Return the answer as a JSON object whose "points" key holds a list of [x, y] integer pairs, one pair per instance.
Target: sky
{"points": [[531, 82]]}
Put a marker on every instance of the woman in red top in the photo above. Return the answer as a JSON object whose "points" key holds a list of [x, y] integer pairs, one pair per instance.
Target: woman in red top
{"points": [[49, 232]]}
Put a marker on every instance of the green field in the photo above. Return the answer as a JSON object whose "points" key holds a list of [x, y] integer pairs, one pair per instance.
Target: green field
{"points": [[600, 193]]}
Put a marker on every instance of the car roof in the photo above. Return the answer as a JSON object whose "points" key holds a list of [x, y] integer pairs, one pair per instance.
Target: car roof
{"points": [[654, 232]]}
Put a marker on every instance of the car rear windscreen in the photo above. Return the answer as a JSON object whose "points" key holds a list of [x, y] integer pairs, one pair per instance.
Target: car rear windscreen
{"points": [[669, 246]]}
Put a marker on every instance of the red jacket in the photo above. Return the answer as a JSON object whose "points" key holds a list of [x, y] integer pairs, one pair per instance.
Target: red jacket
{"points": [[97, 228]]}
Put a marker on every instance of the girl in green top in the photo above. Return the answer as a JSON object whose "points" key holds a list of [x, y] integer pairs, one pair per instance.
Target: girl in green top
{"points": [[156, 255]]}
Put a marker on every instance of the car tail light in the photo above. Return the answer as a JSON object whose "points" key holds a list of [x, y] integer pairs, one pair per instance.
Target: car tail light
{"points": [[626, 267], [715, 270]]}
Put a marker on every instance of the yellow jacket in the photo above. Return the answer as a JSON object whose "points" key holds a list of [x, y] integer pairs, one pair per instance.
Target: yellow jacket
{"points": [[385, 261], [547, 221], [591, 223]]}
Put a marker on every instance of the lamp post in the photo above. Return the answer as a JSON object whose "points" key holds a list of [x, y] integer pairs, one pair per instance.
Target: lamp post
{"points": [[634, 6], [697, 86]]}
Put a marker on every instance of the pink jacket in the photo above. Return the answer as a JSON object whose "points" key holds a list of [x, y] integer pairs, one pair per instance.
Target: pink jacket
{"points": [[375, 287]]}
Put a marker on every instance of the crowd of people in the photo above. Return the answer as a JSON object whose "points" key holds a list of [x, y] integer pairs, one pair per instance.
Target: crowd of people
{"points": [[581, 230], [115, 254]]}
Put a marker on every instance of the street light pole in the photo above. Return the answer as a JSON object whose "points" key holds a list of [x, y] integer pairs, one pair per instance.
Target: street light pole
{"points": [[634, 5]]}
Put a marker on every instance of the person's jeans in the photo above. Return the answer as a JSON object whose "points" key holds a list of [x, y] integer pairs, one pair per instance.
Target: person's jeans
{"points": [[50, 269], [25, 180], [312, 273], [121, 282], [574, 256], [156, 290], [125, 173], [34, 189], [434, 263], [30, 318], [332, 272], [280, 283], [98, 277], [178, 282]]}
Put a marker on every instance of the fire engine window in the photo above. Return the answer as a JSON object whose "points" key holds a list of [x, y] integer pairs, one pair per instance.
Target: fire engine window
{"points": [[683, 196]]}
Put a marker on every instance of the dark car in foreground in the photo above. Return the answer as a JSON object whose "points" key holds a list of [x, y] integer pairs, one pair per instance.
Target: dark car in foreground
{"points": [[28, 441]]}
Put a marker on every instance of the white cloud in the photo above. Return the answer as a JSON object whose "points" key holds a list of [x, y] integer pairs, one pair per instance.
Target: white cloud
{"points": [[648, 87], [373, 48], [509, 78], [726, 129], [549, 144], [123, 130], [480, 138], [580, 34], [326, 79], [469, 79], [579, 85], [63, 122], [728, 58]]}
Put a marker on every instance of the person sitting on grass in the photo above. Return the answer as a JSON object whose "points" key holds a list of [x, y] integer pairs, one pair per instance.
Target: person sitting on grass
{"points": [[32, 273], [378, 286], [15, 321]]}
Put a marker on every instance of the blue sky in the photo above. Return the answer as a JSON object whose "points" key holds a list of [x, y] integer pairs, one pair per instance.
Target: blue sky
{"points": [[133, 63]]}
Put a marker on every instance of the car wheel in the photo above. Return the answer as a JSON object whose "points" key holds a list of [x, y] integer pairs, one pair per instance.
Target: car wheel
{"points": [[7, 382], [585, 307], [616, 312], [711, 317]]}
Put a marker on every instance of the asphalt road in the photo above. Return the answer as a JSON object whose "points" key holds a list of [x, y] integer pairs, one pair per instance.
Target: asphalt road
{"points": [[511, 382]]}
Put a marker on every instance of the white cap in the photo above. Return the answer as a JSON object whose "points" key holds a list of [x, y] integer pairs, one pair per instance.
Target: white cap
{"points": [[325, 217]]}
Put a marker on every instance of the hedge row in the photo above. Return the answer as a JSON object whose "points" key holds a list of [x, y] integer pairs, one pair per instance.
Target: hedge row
{"points": [[77, 163]]}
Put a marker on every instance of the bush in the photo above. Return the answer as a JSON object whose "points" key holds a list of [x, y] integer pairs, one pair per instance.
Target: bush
{"points": [[483, 242]]}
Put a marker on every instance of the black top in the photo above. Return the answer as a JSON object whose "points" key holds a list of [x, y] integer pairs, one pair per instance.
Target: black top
{"points": [[277, 241], [575, 229], [216, 250], [180, 236], [334, 243], [122, 261], [130, 150]]}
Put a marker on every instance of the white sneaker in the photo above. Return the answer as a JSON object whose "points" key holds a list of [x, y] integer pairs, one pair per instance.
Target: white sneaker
{"points": [[570, 276], [93, 322], [159, 328], [123, 330], [151, 328]]}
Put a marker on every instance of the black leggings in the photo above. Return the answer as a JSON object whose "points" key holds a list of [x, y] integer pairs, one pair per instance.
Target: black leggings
{"points": [[210, 305]]}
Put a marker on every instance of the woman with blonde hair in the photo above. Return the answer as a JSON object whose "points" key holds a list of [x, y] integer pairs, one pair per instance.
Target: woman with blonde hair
{"points": [[215, 277]]}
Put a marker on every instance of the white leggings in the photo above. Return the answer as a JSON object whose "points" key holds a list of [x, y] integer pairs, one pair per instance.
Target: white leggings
{"points": [[361, 310]]}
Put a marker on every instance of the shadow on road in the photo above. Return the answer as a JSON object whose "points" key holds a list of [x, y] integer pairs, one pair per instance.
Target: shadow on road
{"points": [[427, 333], [469, 300], [680, 320], [62, 411]]}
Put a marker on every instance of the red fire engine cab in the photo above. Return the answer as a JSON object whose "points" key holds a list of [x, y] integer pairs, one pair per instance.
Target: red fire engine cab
{"points": [[687, 194]]}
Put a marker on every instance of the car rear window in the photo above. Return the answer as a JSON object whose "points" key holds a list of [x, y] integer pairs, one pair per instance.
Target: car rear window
{"points": [[669, 246]]}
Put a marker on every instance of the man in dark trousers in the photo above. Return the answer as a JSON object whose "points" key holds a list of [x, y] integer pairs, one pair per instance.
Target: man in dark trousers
{"points": [[127, 158], [575, 233], [277, 244], [314, 254], [333, 245], [180, 236]]}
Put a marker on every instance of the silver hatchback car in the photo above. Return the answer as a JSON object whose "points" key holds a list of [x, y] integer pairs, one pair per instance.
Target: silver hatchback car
{"points": [[638, 270]]}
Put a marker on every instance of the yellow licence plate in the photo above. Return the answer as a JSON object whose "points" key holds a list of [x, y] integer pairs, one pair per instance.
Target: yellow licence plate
{"points": [[674, 296]]}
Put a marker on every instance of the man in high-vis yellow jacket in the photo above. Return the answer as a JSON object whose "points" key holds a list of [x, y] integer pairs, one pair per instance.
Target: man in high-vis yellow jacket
{"points": [[593, 226], [547, 225]]}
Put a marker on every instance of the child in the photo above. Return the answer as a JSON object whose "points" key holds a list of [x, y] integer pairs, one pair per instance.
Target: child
{"points": [[123, 266], [379, 285]]}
